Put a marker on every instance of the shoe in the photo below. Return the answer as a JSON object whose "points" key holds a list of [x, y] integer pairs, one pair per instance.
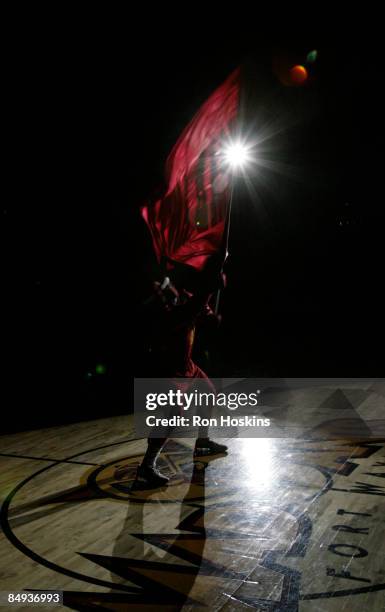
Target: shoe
{"points": [[148, 476], [208, 447]]}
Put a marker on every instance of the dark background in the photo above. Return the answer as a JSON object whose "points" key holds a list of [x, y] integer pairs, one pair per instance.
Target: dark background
{"points": [[95, 116]]}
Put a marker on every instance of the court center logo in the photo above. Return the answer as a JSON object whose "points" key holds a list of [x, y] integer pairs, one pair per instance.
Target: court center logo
{"points": [[310, 530]]}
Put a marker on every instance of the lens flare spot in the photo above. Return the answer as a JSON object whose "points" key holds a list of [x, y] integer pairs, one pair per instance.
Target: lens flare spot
{"points": [[312, 56], [298, 74]]}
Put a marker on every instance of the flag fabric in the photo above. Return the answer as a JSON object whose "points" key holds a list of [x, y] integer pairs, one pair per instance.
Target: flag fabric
{"points": [[187, 224]]}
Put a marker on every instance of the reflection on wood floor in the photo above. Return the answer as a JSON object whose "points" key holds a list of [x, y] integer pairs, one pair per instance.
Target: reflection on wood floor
{"points": [[276, 524]]}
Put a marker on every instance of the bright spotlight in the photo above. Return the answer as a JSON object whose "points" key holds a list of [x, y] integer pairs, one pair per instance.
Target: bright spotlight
{"points": [[236, 155]]}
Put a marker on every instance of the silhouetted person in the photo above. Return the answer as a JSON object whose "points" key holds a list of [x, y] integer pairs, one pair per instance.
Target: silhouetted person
{"points": [[176, 297]]}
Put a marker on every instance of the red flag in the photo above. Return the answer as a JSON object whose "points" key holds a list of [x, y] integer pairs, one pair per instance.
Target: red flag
{"points": [[188, 223]]}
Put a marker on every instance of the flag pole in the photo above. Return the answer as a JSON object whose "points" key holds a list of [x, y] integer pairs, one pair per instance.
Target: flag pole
{"points": [[227, 229], [225, 243]]}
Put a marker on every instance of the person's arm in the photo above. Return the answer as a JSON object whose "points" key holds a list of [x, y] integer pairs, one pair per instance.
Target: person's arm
{"points": [[175, 309], [192, 307]]}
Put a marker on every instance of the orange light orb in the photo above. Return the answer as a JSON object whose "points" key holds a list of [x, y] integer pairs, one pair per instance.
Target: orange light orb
{"points": [[298, 75]]}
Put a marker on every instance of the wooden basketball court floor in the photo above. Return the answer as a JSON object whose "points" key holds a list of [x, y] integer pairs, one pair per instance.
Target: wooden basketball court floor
{"points": [[277, 524]]}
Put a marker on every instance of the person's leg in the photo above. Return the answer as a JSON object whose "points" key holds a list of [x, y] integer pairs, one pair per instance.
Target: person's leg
{"points": [[147, 473], [203, 445], [154, 446]]}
